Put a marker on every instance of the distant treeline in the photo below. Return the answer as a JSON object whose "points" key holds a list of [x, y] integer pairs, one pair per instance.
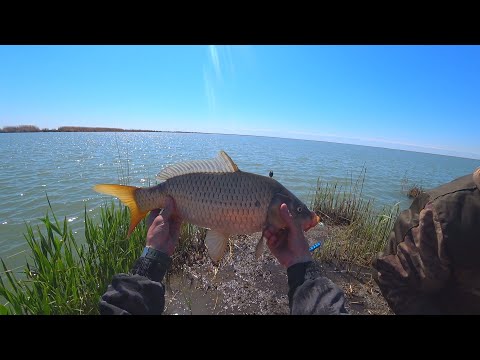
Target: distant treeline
{"points": [[21, 128], [89, 129], [33, 128]]}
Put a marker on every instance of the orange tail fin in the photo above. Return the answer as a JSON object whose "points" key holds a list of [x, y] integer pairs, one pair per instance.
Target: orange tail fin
{"points": [[126, 194]]}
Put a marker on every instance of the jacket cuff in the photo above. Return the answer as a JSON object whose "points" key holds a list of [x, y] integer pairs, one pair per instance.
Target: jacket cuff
{"points": [[298, 274], [154, 270]]}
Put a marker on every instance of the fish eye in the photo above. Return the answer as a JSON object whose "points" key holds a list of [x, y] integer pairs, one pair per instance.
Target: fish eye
{"points": [[299, 209]]}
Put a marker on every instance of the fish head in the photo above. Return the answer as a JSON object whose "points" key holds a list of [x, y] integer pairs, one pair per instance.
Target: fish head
{"points": [[301, 214]]}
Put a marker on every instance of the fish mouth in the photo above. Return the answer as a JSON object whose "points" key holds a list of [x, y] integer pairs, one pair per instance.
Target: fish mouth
{"points": [[312, 223]]}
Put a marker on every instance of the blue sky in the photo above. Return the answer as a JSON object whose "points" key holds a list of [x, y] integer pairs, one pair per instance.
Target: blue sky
{"points": [[423, 98]]}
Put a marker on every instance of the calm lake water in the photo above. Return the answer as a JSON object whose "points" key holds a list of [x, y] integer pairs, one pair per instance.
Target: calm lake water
{"points": [[66, 166]]}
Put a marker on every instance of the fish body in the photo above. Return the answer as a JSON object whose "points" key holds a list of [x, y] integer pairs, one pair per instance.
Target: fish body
{"points": [[216, 195]]}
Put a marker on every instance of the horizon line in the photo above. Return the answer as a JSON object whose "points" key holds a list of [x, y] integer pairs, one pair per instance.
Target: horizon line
{"points": [[456, 154]]}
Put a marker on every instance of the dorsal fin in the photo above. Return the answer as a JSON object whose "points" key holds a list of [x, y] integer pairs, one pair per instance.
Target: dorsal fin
{"points": [[221, 164]]}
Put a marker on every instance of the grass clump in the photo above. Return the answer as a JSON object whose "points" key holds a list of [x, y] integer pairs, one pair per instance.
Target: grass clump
{"points": [[412, 190], [360, 231], [67, 276]]}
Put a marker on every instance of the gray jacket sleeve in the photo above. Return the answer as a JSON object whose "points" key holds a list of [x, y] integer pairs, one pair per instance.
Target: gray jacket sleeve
{"points": [[139, 293], [310, 293]]}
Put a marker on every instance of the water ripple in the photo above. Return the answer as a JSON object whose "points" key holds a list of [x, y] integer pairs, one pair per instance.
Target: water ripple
{"points": [[65, 166]]}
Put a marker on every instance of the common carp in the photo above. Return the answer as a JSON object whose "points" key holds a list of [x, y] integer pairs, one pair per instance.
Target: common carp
{"points": [[215, 194]]}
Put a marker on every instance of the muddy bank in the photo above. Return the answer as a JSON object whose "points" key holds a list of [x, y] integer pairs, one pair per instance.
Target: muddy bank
{"points": [[243, 285]]}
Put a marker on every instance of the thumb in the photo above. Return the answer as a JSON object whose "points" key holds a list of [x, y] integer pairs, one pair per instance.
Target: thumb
{"points": [[286, 216], [152, 217]]}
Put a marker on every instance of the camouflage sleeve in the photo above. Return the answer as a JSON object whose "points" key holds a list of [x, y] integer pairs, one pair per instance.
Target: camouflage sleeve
{"points": [[310, 293], [415, 266], [138, 293]]}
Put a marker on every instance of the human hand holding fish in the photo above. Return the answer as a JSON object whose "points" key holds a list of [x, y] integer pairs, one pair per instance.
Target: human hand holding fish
{"points": [[215, 194], [288, 244], [164, 228]]}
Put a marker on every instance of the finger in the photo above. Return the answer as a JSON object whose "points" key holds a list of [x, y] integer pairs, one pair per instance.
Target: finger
{"points": [[282, 234], [175, 226], [176, 221], [270, 231], [158, 221], [286, 216], [272, 242], [266, 233], [169, 208], [151, 217], [273, 229]]}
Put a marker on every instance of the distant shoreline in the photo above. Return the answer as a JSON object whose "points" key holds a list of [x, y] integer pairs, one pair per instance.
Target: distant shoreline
{"points": [[64, 129], [32, 128], [86, 129]]}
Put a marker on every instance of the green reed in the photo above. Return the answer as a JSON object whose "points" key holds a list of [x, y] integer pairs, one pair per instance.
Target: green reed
{"points": [[360, 230], [65, 275]]}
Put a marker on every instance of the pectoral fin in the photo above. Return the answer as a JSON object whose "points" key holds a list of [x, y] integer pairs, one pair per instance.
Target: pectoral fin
{"points": [[216, 243], [260, 247]]}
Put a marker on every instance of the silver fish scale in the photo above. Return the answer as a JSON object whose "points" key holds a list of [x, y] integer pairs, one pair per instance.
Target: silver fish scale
{"points": [[232, 203]]}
